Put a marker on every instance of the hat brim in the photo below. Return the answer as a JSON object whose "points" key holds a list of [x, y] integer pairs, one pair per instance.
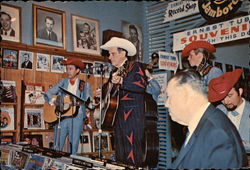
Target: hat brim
{"points": [[198, 44], [120, 43]]}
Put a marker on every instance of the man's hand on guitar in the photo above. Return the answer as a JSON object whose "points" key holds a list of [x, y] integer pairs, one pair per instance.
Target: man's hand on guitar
{"points": [[117, 79], [52, 102]]}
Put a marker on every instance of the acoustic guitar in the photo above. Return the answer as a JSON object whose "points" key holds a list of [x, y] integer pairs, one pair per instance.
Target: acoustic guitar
{"points": [[63, 108], [111, 100]]}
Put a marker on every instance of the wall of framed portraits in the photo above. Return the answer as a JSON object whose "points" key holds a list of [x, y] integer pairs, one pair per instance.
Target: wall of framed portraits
{"points": [[70, 21], [42, 34]]}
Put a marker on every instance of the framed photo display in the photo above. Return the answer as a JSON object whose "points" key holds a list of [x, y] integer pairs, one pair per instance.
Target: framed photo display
{"points": [[56, 65], [43, 62], [133, 33], [26, 60], [10, 22], [10, 59], [85, 35], [49, 27]]}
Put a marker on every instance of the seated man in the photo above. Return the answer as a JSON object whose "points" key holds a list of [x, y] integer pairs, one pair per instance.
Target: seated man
{"points": [[212, 141], [228, 90]]}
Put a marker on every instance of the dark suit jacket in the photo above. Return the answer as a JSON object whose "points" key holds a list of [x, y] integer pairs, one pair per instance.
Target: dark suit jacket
{"points": [[29, 65], [215, 143], [12, 32], [43, 34]]}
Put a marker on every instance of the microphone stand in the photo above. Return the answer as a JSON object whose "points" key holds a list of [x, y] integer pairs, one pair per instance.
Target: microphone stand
{"points": [[60, 103], [100, 116]]}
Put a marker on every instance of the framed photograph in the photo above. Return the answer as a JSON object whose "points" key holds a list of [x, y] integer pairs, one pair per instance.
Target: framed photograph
{"points": [[7, 118], [43, 62], [49, 27], [133, 33], [36, 140], [33, 118], [56, 65], [89, 68], [26, 59], [85, 35], [105, 141], [10, 59], [85, 143], [10, 22]]}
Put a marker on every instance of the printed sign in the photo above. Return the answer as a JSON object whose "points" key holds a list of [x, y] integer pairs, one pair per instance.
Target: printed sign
{"points": [[218, 10], [168, 61], [231, 30], [179, 9]]}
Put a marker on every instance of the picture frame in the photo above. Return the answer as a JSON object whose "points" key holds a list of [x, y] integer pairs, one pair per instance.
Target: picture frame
{"points": [[33, 118], [43, 62], [10, 58], [85, 35], [56, 66], [26, 60], [49, 27], [133, 33], [36, 139], [11, 22]]}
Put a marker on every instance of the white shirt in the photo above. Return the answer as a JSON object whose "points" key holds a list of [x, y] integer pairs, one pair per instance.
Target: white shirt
{"points": [[195, 120], [73, 88], [236, 119]]}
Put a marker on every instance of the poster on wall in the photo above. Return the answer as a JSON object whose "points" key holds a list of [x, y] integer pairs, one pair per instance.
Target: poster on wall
{"points": [[11, 22], [231, 30], [133, 33], [161, 78]]}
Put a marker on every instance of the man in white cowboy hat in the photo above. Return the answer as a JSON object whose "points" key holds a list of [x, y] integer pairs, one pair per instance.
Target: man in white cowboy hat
{"points": [[131, 80]]}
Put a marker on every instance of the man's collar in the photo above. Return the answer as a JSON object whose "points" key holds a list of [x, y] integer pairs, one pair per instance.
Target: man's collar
{"points": [[123, 62]]}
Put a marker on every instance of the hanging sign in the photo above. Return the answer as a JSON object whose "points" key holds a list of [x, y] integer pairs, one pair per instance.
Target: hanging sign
{"points": [[168, 61], [218, 10], [179, 9], [231, 30]]}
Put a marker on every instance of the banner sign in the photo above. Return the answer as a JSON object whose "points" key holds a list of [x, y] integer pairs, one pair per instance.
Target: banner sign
{"points": [[218, 10], [179, 9], [231, 30], [168, 61]]}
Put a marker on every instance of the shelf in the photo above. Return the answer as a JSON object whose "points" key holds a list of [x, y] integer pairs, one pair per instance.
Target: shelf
{"points": [[7, 104], [38, 130], [8, 131], [33, 105]]}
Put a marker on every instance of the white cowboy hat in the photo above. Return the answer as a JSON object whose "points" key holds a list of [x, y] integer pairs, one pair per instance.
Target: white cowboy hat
{"points": [[120, 43]]}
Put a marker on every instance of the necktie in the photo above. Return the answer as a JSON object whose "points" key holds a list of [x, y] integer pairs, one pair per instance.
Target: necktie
{"points": [[72, 82], [5, 32], [49, 35], [234, 113]]}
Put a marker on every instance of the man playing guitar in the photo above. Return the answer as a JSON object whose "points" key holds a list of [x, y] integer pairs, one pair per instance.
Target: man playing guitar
{"points": [[72, 125], [129, 115]]}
